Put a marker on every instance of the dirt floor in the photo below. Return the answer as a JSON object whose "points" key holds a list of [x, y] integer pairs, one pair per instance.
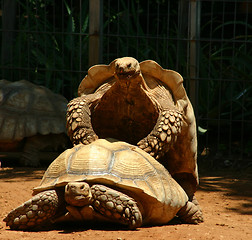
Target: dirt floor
{"points": [[225, 196]]}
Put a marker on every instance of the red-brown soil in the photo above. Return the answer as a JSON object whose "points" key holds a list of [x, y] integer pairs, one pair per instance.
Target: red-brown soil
{"points": [[225, 197]]}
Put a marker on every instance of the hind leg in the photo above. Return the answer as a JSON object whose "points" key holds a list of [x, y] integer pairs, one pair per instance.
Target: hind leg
{"points": [[190, 213], [187, 182]]}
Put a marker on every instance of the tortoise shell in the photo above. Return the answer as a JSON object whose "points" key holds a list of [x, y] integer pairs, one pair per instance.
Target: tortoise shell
{"points": [[27, 109], [151, 71], [154, 76], [123, 167]]}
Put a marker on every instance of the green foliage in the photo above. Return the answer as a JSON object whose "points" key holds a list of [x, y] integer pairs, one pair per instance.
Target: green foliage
{"points": [[140, 29], [51, 47], [225, 90]]}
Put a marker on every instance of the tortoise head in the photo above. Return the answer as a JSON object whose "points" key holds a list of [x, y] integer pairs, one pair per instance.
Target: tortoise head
{"points": [[126, 68], [78, 193]]}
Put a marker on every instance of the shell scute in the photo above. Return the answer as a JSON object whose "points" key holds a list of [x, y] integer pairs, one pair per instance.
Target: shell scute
{"points": [[90, 160], [137, 168], [18, 100]]}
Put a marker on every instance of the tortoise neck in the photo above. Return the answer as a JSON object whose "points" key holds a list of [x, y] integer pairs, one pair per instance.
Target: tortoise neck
{"points": [[129, 85]]}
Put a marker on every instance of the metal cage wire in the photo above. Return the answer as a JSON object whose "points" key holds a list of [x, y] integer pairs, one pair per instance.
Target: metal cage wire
{"points": [[53, 43]]}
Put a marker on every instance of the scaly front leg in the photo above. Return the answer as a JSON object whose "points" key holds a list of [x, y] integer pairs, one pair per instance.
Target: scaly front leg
{"points": [[33, 213], [79, 125], [116, 206], [164, 134]]}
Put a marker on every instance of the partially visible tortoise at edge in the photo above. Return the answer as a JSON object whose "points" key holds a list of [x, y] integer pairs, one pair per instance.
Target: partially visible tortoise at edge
{"points": [[32, 118], [107, 180], [143, 104]]}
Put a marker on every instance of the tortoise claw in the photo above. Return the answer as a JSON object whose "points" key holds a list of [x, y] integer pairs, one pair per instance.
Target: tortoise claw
{"points": [[150, 144], [84, 136]]}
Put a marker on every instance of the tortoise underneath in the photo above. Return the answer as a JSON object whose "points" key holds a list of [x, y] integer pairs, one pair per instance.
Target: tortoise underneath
{"points": [[107, 180]]}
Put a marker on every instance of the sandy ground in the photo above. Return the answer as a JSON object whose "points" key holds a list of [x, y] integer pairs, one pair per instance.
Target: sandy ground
{"points": [[225, 197]]}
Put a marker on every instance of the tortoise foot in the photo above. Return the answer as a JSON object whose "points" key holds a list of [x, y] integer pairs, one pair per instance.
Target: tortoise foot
{"points": [[190, 213], [79, 125], [164, 134], [194, 200], [33, 212], [116, 206], [87, 136], [151, 145]]}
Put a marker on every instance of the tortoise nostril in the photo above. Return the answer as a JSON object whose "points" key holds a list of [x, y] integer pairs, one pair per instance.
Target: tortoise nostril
{"points": [[67, 187]]}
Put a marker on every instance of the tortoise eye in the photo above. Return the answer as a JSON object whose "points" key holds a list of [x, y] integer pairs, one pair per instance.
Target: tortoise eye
{"points": [[129, 65]]}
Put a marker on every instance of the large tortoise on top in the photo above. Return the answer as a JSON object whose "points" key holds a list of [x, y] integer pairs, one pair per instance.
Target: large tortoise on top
{"points": [[105, 181], [32, 118], [142, 104]]}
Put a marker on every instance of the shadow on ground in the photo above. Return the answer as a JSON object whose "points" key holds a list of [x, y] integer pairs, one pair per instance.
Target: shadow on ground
{"points": [[11, 174], [235, 184]]}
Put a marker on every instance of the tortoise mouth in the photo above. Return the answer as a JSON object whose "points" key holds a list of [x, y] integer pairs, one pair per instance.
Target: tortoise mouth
{"points": [[81, 198], [127, 75]]}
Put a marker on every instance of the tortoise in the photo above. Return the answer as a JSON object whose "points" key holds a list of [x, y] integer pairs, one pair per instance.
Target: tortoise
{"points": [[107, 180], [143, 104], [32, 118]]}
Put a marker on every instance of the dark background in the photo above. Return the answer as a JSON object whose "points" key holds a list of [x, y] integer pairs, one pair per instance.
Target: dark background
{"points": [[207, 42]]}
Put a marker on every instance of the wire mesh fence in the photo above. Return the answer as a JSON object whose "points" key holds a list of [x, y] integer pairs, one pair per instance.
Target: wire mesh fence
{"points": [[207, 42], [46, 42]]}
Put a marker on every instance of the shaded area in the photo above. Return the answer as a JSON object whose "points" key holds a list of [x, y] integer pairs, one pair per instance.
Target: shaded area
{"points": [[13, 159], [234, 184], [17, 174]]}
